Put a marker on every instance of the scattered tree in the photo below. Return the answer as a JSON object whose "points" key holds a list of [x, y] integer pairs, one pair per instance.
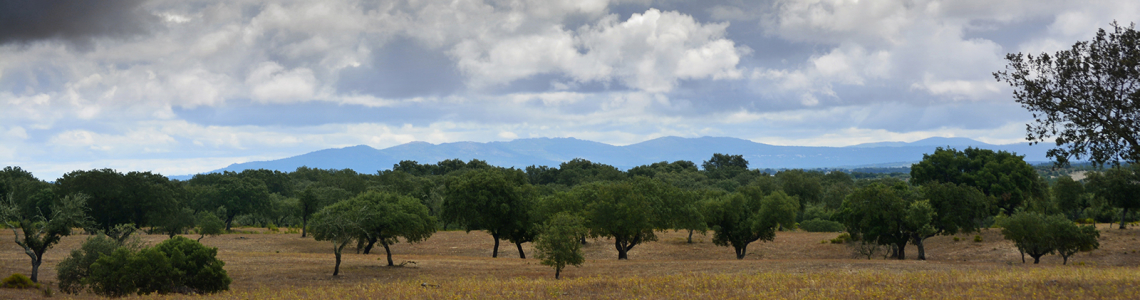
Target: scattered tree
{"points": [[389, 216], [1037, 235], [558, 244], [492, 199], [738, 220], [38, 233]]}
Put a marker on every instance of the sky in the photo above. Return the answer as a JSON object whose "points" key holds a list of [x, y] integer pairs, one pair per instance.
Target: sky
{"points": [[180, 87]]}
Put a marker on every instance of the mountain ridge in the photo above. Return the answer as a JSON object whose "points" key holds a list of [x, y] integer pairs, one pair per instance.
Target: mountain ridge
{"points": [[553, 151]]}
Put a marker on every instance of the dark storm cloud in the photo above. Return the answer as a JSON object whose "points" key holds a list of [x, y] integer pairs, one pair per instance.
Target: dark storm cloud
{"points": [[77, 21], [403, 69]]}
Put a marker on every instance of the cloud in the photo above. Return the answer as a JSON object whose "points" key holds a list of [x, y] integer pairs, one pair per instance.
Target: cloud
{"points": [[76, 21], [649, 51]]}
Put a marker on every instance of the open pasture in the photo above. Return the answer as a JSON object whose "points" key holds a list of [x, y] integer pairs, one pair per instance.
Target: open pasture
{"points": [[267, 265]]}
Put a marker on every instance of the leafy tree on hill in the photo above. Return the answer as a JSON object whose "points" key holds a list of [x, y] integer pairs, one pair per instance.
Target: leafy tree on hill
{"points": [[558, 245], [1037, 235], [1084, 99], [740, 219], [627, 211], [390, 216], [887, 215], [495, 200], [578, 171], [724, 166], [1002, 175], [37, 233], [340, 224]]}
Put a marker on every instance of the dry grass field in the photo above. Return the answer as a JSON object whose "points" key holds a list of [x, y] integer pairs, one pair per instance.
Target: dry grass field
{"points": [[796, 265]]}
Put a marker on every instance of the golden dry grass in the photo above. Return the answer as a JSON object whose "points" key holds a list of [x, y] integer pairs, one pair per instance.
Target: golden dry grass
{"points": [[795, 265]]}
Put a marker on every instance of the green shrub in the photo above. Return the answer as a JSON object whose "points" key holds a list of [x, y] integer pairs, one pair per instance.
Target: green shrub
{"points": [[819, 225], [977, 238], [957, 239], [73, 269], [18, 281], [178, 264], [842, 238]]}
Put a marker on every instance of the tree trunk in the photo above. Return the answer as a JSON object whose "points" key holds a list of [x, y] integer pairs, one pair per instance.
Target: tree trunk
{"points": [[304, 224], [495, 253], [557, 271], [583, 239], [901, 255], [622, 251], [1123, 214], [1036, 258], [741, 251], [36, 267], [1065, 259], [229, 220], [690, 236], [200, 238], [1022, 255], [521, 254], [388, 251], [921, 248], [337, 250], [368, 248]]}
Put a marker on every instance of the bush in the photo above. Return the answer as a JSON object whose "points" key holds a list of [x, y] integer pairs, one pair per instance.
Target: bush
{"points": [[178, 264], [73, 269], [18, 281], [977, 238], [819, 225], [842, 238]]}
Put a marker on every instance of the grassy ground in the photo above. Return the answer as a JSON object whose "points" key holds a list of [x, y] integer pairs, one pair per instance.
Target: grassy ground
{"points": [[796, 265]]}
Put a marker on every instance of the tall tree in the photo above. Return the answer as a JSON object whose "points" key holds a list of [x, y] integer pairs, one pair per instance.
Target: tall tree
{"points": [[493, 199], [390, 216], [956, 208], [740, 219], [724, 166], [339, 224], [1002, 175], [1085, 99], [887, 215], [38, 233], [627, 211]]}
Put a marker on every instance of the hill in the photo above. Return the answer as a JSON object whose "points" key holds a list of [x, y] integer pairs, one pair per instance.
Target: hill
{"points": [[553, 151]]}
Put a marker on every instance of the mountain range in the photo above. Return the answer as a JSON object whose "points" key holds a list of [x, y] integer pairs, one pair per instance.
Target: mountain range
{"points": [[553, 151]]}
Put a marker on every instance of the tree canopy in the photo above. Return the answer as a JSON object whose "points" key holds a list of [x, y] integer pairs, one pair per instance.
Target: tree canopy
{"points": [[1086, 99]]}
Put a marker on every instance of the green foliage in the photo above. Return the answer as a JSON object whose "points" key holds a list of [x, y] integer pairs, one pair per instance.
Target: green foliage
{"points": [[820, 225], [339, 224], [209, 224], [957, 208], [887, 215], [38, 233], [74, 269], [389, 216], [842, 238], [558, 244], [200, 269], [739, 219], [1068, 195], [492, 199], [1117, 187], [724, 166], [18, 281], [1004, 176], [1037, 235], [1084, 98], [175, 265], [977, 238]]}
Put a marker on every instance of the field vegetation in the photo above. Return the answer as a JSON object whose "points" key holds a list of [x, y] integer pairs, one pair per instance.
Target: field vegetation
{"points": [[455, 264]]}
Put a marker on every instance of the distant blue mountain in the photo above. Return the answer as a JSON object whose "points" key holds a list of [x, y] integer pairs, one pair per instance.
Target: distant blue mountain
{"points": [[553, 151]]}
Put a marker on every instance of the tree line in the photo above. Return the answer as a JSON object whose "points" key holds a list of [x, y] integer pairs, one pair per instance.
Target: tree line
{"points": [[949, 192]]}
